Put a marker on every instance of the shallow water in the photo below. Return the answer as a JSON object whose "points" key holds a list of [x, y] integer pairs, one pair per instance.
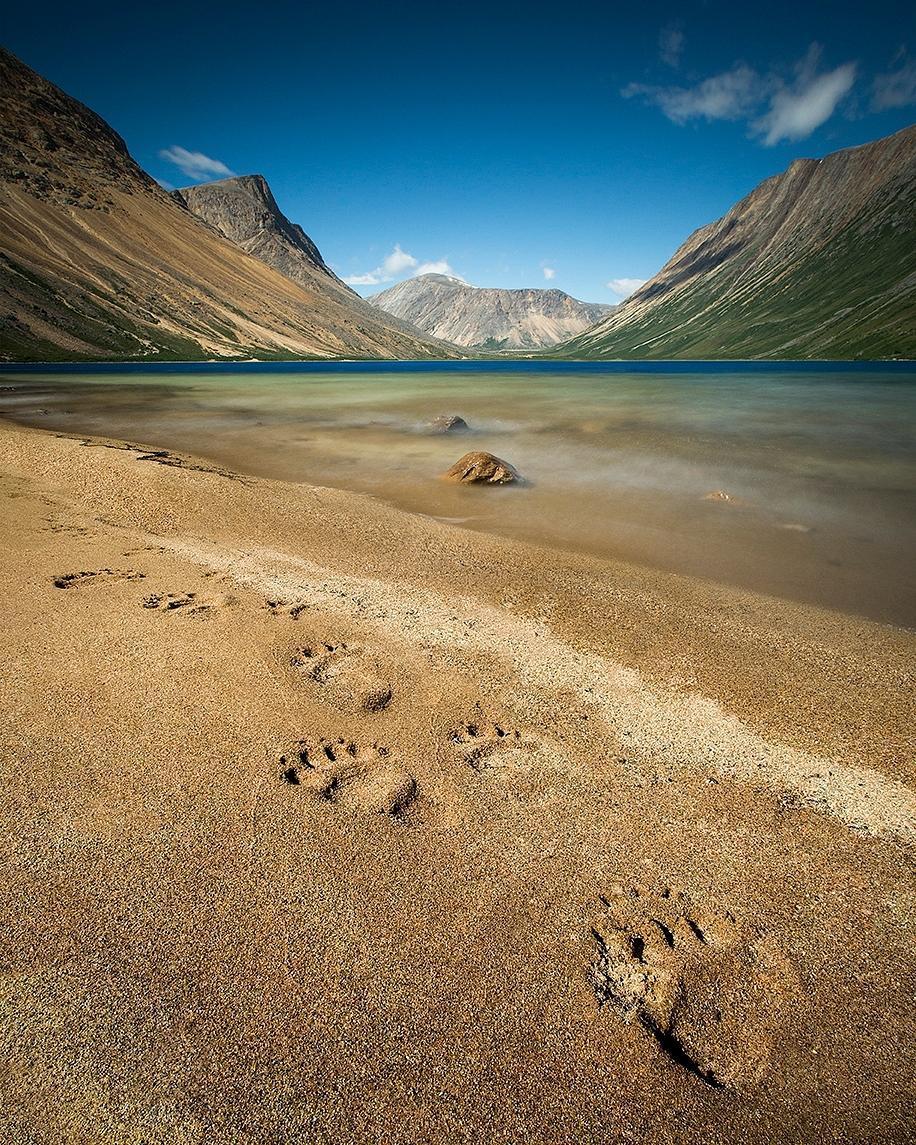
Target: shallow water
{"points": [[818, 460]]}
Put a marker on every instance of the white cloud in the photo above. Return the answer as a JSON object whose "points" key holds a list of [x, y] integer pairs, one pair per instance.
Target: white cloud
{"points": [[671, 44], [370, 279], [399, 260], [196, 165], [440, 266], [896, 88], [624, 287], [774, 108], [396, 264], [730, 95], [549, 272], [799, 108]]}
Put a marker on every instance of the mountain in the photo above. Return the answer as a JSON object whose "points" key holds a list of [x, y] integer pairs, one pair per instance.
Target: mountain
{"points": [[243, 210], [491, 319], [818, 262], [99, 262]]}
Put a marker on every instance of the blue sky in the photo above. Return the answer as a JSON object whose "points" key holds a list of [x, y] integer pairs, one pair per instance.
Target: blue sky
{"points": [[512, 144]]}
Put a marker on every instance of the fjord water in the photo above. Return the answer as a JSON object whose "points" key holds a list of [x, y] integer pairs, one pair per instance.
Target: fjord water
{"points": [[818, 461]]}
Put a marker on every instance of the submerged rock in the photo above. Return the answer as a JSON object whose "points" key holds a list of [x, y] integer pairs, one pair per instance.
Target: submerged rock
{"points": [[482, 468], [721, 495], [449, 423]]}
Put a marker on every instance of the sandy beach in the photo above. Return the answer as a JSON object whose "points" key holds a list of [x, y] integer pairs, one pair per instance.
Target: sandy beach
{"points": [[327, 822]]}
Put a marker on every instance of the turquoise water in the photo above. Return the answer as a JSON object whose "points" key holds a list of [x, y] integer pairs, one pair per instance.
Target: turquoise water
{"points": [[818, 461]]}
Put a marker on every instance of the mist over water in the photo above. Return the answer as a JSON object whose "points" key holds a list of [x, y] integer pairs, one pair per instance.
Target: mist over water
{"points": [[819, 463]]}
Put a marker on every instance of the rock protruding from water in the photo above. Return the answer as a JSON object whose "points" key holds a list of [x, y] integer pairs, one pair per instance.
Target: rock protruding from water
{"points": [[479, 468], [449, 423]]}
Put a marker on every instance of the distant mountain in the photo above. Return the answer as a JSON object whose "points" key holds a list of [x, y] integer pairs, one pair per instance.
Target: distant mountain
{"points": [[99, 262], [819, 262], [491, 319]]}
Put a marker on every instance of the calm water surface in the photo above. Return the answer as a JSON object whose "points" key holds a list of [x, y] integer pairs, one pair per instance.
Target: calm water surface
{"points": [[819, 461]]}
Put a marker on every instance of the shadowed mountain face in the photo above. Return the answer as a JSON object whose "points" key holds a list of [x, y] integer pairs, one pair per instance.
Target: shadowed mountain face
{"points": [[819, 262], [244, 211], [448, 308], [99, 262]]}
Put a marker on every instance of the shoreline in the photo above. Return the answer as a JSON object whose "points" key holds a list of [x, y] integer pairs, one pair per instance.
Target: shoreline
{"points": [[505, 735], [813, 515], [637, 364]]}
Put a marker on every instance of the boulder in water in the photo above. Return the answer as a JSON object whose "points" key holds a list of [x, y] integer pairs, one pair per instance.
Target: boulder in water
{"points": [[479, 468], [449, 423]]}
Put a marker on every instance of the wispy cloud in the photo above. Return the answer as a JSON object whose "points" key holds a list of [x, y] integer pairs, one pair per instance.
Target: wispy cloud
{"points": [[671, 44], [166, 185], [196, 165], [549, 272], [398, 264], [799, 108], [897, 87], [774, 107], [369, 279], [624, 287], [730, 95]]}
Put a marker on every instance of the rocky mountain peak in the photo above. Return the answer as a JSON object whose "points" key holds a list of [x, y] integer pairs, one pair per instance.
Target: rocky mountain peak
{"points": [[441, 279], [486, 317], [244, 210], [100, 262]]}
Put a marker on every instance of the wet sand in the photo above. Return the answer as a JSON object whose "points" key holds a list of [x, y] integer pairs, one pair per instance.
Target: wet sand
{"points": [[329, 822]]}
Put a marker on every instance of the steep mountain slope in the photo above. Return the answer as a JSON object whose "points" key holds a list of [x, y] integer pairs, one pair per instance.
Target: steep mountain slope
{"points": [[99, 262], [819, 262], [448, 308], [243, 210]]}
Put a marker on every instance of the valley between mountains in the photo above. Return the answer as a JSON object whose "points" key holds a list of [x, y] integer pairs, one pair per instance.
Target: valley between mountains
{"points": [[100, 263]]}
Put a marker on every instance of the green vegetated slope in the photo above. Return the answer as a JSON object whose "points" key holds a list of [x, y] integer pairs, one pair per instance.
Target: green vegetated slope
{"points": [[819, 262]]}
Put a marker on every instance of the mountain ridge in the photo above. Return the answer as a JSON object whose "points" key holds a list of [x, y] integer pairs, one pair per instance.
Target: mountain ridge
{"points": [[261, 228], [242, 209], [818, 261], [101, 263], [478, 317]]}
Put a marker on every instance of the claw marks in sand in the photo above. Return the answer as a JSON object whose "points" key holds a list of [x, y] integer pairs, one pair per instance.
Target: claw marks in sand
{"points": [[346, 673], [189, 602], [363, 777], [483, 743], [707, 989], [56, 525], [284, 608], [78, 579]]}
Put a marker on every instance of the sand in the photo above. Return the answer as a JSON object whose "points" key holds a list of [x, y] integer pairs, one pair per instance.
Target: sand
{"points": [[325, 822]]}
